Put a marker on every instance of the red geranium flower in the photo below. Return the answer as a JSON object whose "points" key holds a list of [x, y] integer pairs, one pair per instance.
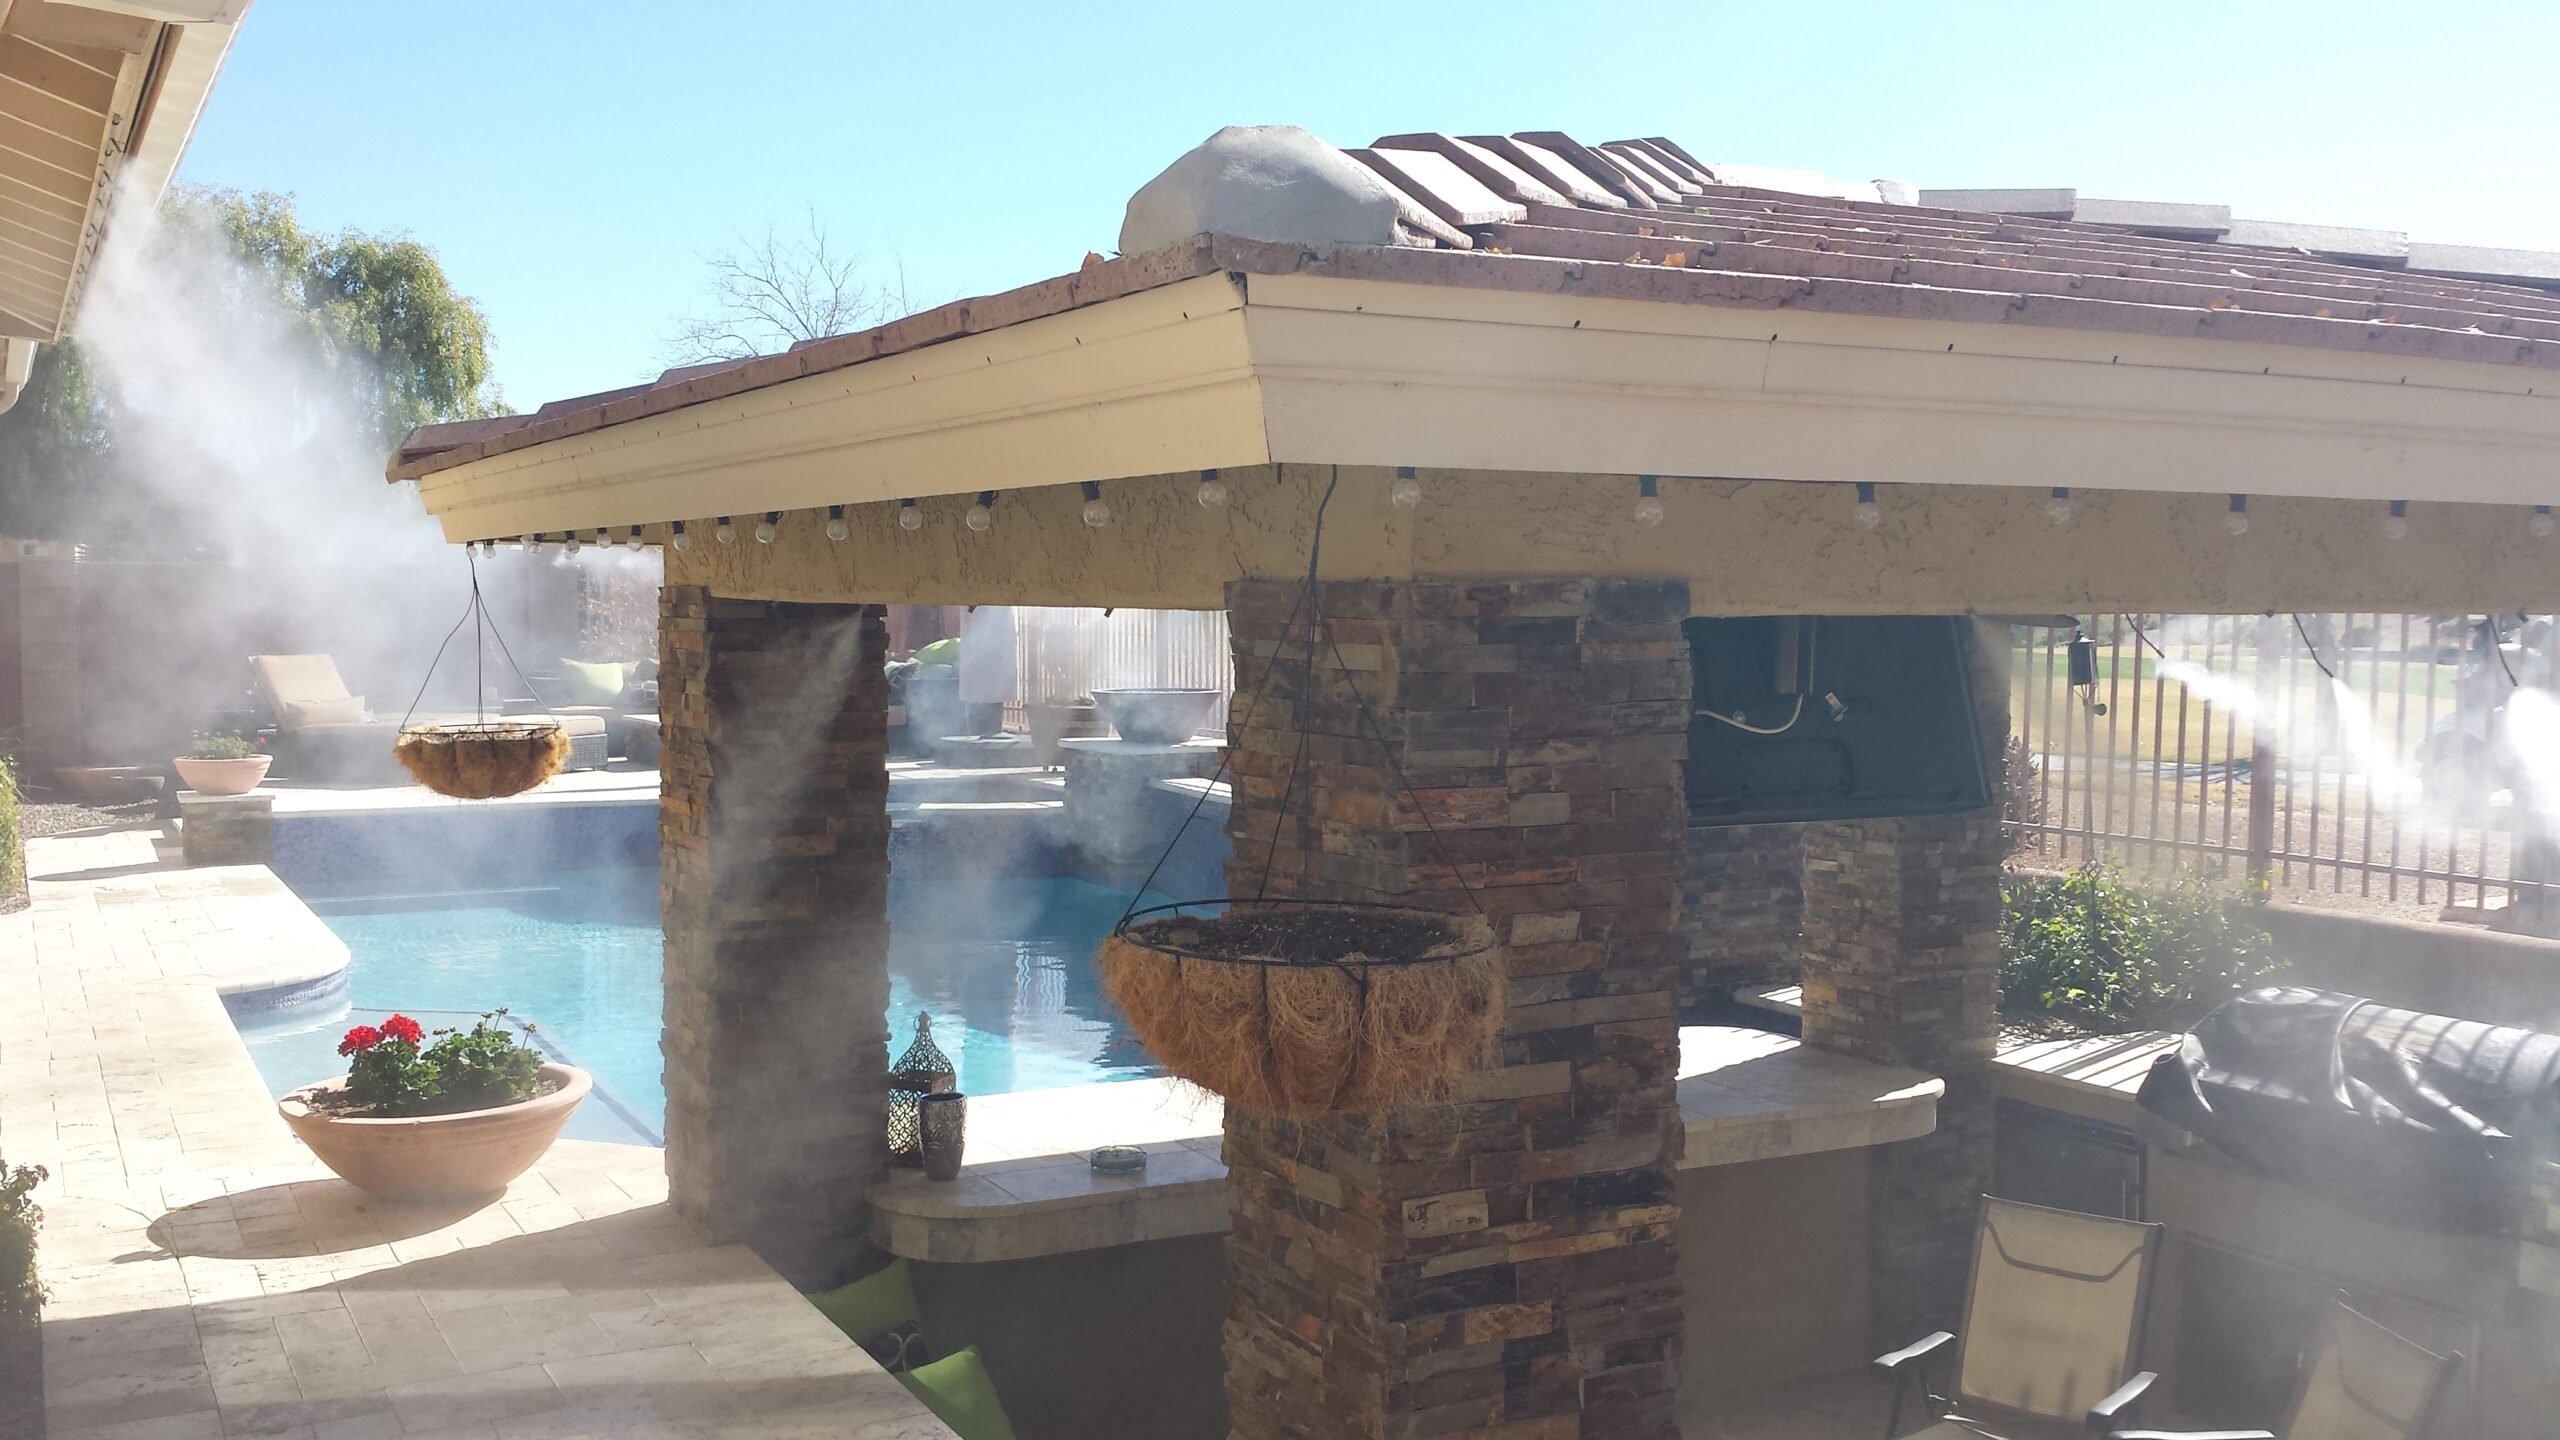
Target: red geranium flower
{"points": [[363, 1037], [401, 1027]]}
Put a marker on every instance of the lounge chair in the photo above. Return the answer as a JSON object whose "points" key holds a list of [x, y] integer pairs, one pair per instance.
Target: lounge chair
{"points": [[325, 733], [2359, 1382], [2053, 1318]]}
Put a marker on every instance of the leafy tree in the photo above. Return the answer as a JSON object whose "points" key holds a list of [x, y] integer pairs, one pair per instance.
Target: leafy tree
{"points": [[359, 332]]}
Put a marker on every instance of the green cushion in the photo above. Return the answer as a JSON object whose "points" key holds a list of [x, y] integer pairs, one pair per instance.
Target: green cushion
{"points": [[594, 682], [940, 652], [873, 1305], [955, 1388]]}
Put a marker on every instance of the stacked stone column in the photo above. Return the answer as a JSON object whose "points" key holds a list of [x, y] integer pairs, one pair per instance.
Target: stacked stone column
{"points": [[1902, 967], [1501, 1264], [774, 854]]}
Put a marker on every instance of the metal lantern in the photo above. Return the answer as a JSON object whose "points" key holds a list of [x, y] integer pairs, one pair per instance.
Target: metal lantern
{"points": [[942, 1122], [923, 1070]]}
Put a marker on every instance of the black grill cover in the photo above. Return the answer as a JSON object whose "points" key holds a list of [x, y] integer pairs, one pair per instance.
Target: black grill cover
{"points": [[2413, 1118]]}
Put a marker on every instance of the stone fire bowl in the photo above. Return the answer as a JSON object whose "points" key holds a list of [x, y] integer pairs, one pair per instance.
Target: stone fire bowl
{"points": [[1157, 717], [466, 1155]]}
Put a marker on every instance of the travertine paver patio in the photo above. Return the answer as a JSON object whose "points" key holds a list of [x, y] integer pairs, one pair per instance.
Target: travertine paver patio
{"points": [[210, 1279]]}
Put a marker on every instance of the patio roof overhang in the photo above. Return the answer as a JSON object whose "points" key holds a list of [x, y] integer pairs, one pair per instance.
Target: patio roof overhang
{"points": [[1247, 354]]}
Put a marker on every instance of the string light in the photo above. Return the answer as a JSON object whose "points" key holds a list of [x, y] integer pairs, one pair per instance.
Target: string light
{"points": [[2237, 522], [533, 543], [1213, 491], [768, 527], [681, 540], [569, 541], [1407, 491], [1097, 511], [632, 540], [2539, 526], [836, 530], [1867, 513], [982, 514], [910, 519], [488, 547], [1648, 500], [2057, 508], [2395, 526], [724, 532], [603, 541]]}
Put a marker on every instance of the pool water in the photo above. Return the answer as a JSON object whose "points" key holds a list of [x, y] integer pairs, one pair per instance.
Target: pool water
{"points": [[1005, 968]]}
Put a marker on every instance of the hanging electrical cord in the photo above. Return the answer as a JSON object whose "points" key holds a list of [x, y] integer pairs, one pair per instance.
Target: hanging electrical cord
{"points": [[2145, 639], [2313, 650], [2498, 647], [1812, 654]]}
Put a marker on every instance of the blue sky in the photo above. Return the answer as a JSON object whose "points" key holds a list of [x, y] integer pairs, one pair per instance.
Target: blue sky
{"points": [[572, 162]]}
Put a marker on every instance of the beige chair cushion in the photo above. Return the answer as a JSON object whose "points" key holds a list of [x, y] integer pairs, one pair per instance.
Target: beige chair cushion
{"points": [[2057, 1298], [2364, 1382], [296, 714], [285, 678]]}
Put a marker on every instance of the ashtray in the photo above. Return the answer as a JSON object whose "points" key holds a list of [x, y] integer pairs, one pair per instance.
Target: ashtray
{"points": [[1119, 1160]]}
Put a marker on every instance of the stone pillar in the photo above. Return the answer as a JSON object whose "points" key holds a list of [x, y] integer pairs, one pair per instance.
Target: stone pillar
{"points": [[1741, 907], [227, 829], [774, 851], [1504, 1264], [1902, 967]]}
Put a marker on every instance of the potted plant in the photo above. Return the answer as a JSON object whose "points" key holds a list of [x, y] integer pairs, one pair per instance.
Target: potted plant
{"points": [[221, 763], [455, 1115], [21, 1304]]}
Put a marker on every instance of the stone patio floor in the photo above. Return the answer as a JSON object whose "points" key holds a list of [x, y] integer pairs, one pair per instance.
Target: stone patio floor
{"points": [[210, 1279]]}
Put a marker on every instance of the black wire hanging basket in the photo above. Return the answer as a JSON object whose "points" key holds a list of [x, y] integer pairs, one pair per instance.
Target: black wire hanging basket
{"points": [[479, 759], [1300, 1006]]}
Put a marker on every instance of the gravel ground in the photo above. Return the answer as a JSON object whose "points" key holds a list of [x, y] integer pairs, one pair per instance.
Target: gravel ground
{"points": [[62, 819]]}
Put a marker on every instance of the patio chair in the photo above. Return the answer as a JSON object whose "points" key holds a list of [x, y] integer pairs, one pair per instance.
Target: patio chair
{"points": [[2359, 1381], [2053, 1317]]}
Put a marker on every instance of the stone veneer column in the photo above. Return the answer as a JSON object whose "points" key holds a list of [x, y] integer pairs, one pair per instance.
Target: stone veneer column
{"points": [[1902, 967], [1741, 907], [1503, 1264], [774, 851]]}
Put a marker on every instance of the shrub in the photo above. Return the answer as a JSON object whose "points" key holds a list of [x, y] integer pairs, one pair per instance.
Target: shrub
{"points": [[13, 837], [2093, 947], [220, 745], [20, 1294], [394, 1069]]}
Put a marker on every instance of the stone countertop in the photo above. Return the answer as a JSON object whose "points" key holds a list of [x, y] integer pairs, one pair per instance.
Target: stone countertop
{"points": [[1743, 1094], [2093, 1075]]}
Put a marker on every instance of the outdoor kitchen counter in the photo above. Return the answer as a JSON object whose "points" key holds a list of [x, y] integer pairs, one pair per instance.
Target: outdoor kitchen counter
{"points": [[1744, 1095]]}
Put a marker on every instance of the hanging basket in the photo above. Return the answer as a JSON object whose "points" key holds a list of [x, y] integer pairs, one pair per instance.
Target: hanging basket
{"points": [[1303, 1007], [483, 761]]}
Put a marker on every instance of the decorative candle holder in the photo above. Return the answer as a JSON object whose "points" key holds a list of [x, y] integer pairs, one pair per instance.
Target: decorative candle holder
{"points": [[943, 1120], [923, 1070]]}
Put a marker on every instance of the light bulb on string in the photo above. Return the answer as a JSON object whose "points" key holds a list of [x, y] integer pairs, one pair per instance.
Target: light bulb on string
{"points": [[1406, 492], [1648, 500], [2539, 524], [1867, 514], [2237, 520], [681, 540], [910, 519], [533, 543], [603, 540], [1097, 511], [982, 514], [2057, 506], [724, 532], [632, 540], [2395, 526], [768, 527], [1213, 491], [569, 542], [836, 530]]}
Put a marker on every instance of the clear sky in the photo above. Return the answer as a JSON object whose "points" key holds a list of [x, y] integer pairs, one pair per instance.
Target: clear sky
{"points": [[572, 162]]}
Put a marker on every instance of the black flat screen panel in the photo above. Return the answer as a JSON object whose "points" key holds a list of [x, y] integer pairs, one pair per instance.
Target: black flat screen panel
{"points": [[1864, 715]]}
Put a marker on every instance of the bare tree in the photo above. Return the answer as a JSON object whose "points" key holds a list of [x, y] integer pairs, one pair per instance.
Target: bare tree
{"points": [[770, 294]]}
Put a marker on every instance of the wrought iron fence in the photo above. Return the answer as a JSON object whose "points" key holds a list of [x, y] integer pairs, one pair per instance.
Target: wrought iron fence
{"points": [[2402, 757]]}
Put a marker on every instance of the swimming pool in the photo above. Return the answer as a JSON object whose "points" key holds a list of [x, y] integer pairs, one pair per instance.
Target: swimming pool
{"points": [[1005, 967]]}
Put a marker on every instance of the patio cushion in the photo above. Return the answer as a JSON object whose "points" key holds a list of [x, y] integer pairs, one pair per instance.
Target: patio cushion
{"points": [[297, 677], [956, 1389], [594, 682], [296, 714], [872, 1306]]}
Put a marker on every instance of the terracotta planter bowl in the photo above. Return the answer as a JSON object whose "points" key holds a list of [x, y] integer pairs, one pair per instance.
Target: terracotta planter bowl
{"points": [[466, 1155], [223, 777]]}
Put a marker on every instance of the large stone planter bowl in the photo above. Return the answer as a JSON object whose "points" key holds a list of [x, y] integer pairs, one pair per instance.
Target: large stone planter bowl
{"points": [[1157, 717], [223, 777], [466, 1155]]}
